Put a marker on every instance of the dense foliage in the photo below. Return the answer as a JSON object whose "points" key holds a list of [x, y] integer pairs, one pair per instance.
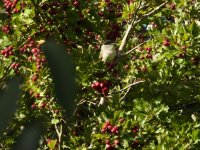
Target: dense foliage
{"points": [[149, 98]]}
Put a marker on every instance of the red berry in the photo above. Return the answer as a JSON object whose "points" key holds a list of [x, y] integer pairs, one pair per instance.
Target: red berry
{"points": [[3, 52], [100, 14], [107, 122], [33, 106], [93, 85], [38, 67], [10, 53], [10, 48], [43, 60], [30, 58], [115, 129], [103, 130], [166, 42], [17, 65], [109, 147], [148, 49], [6, 55], [96, 86], [184, 47], [149, 56], [76, 3], [15, 10], [109, 127], [173, 6], [37, 96], [121, 120], [105, 91], [102, 85], [135, 129], [116, 142], [107, 141], [29, 38], [17, 72], [34, 78], [43, 105], [25, 46], [56, 111]]}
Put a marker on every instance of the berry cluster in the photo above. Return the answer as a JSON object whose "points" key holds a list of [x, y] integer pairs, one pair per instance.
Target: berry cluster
{"points": [[111, 146], [40, 105], [10, 6], [110, 11], [114, 32], [8, 51], [108, 127], [15, 66], [113, 142], [149, 55], [113, 9], [101, 87], [34, 51], [6, 29], [113, 129]]}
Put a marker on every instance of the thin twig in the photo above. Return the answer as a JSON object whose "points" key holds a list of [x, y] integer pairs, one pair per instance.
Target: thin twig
{"points": [[129, 86], [59, 133], [125, 94], [137, 9], [150, 13], [128, 52]]}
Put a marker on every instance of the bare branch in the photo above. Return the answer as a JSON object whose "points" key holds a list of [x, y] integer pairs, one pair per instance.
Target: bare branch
{"points": [[59, 133], [125, 39], [135, 47], [129, 86], [125, 94], [134, 23]]}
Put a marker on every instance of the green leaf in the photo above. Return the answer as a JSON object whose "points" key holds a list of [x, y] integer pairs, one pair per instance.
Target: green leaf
{"points": [[52, 144], [54, 121], [125, 143]]}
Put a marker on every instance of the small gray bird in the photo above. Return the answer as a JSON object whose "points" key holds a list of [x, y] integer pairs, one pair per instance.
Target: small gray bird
{"points": [[108, 52]]}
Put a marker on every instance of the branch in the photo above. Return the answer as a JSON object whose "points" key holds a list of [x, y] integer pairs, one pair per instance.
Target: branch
{"points": [[135, 47], [125, 94], [125, 39], [129, 86], [133, 24], [59, 133]]}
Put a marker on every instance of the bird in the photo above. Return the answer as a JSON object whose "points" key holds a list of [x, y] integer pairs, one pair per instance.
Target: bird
{"points": [[108, 52]]}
